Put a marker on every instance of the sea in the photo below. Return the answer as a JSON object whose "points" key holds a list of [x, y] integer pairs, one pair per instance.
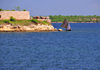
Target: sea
{"points": [[78, 49]]}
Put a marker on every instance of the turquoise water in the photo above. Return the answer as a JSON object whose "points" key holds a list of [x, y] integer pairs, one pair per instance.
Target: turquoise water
{"points": [[75, 50]]}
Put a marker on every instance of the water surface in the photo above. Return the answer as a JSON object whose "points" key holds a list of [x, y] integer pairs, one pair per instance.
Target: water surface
{"points": [[75, 50]]}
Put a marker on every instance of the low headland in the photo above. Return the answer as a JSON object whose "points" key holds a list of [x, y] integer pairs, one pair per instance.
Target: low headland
{"points": [[21, 21], [32, 25]]}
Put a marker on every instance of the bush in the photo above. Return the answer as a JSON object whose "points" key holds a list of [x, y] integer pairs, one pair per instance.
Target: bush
{"points": [[6, 21], [12, 19], [39, 22], [1, 9], [24, 9], [45, 22], [13, 10], [35, 21]]}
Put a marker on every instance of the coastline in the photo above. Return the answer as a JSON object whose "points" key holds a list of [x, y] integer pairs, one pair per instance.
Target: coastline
{"points": [[29, 28], [32, 25], [74, 22]]}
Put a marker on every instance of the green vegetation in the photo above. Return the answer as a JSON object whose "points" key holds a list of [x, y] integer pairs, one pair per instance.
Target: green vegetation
{"points": [[60, 18], [16, 9], [39, 22], [35, 21], [21, 22], [6, 21], [13, 10], [1, 9], [45, 22], [12, 19], [24, 9], [2, 22], [15, 22]]}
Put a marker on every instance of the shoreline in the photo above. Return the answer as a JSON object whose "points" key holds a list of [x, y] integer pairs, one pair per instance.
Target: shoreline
{"points": [[32, 31], [73, 22], [30, 28]]}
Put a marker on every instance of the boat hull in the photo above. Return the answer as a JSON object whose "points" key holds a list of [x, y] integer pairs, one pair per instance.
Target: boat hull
{"points": [[68, 30]]}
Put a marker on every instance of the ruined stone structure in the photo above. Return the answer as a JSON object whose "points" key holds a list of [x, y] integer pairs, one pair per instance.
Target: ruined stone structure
{"points": [[19, 15], [41, 18]]}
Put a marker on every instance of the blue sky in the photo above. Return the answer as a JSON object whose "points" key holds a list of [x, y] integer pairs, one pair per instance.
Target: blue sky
{"points": [[54, 7]]}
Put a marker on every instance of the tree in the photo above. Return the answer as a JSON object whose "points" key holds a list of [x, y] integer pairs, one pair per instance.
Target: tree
{"points": [[24, 9], [1, 9], [18, 8], [13, 10], [12, 19]]}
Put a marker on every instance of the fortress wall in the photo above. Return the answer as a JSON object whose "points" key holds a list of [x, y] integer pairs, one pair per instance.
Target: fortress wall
{"points": [[19, 15]]}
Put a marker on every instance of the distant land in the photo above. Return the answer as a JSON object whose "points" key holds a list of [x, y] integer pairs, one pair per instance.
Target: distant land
{"points": [[75, 19]]}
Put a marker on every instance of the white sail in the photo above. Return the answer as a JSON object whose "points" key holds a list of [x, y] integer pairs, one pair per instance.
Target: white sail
{"points": [[68, 28]]}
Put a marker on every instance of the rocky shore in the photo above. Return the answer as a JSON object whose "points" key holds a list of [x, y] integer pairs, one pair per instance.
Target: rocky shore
{"points": [[29, 28]]}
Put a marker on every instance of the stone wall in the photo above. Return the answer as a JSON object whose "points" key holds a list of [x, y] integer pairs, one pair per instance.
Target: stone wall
{"points": [[19, 15]]}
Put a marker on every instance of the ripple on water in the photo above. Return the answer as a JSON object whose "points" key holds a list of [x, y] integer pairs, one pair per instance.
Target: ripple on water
{"points": [[75, 50]]}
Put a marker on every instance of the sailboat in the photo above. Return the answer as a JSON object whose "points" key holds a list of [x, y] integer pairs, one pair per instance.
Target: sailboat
{"points": [[66, 25]]}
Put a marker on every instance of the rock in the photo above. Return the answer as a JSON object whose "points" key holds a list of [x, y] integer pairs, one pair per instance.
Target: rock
{"points": [[30, 28], [1, 26], [55, 29], [60, 30]]}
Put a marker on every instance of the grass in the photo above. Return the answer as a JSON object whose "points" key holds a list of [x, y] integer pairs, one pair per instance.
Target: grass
{"points": [[24, 22], [41, 22], [1, 22], [21, 22], [45, 23]]}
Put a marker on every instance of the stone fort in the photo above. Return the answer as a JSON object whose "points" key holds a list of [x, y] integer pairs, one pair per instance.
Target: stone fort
{"points": [[19, 15]]}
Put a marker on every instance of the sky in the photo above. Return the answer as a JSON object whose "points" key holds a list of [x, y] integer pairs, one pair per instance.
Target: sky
{"points": [[54, 7]]}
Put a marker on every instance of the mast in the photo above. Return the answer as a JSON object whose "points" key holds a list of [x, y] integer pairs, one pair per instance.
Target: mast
{"points": [[66, 25]]}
